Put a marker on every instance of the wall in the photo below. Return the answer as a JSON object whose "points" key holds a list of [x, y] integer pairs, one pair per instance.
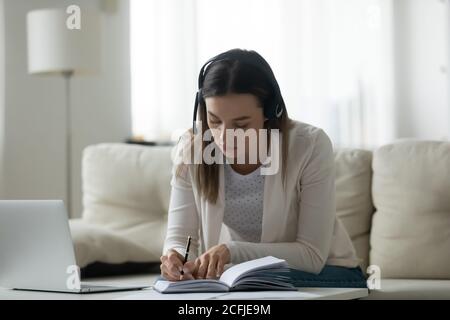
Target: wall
{"points": [[422, 68], [34, 113]]}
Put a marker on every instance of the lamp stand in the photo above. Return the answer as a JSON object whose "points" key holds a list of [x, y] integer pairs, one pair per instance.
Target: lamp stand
{"points": [[67, 75]]}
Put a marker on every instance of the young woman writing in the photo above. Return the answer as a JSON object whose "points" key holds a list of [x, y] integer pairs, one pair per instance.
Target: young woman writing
{"points": [[234, 212]]}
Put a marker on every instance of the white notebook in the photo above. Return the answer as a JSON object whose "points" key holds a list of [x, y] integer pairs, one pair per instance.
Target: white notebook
{"points": [[251, 275]]}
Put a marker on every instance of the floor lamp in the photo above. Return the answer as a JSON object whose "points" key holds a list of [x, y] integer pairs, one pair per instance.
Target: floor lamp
{"points": [[55, 48]]}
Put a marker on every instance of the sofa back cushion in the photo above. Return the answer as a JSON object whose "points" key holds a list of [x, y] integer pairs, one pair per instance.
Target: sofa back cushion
{"points": [[353, 197], [411, 225], [126, 189]]}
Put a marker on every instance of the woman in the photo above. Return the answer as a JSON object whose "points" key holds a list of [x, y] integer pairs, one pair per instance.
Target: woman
{"points": [[234, 212]]}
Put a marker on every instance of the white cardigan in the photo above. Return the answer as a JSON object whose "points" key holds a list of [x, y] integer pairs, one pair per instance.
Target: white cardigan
{"points": [[299, 225]]}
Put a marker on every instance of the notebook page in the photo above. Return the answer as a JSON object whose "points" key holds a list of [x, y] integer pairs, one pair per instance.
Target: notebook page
{"points": [[198, 285], [236, 271]]}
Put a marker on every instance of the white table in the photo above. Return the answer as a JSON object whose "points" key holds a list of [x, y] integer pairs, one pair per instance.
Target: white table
{"points": [[302, 294]]}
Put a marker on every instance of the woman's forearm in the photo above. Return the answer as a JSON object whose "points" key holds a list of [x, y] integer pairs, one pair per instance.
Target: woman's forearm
{"points": [[299, 255]]}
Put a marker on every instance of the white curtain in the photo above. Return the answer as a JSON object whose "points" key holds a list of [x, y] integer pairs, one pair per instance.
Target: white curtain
{"points": [[2, 101], [333, 60]]}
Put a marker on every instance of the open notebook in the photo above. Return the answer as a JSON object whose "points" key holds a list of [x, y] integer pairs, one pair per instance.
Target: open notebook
{"points": [[252, 275]]}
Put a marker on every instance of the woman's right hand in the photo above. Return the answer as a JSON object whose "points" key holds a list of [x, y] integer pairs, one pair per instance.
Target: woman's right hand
{"points": [[172, 264]]}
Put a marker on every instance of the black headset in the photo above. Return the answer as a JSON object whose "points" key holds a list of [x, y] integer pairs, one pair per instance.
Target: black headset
{"points": [[273, 109]]}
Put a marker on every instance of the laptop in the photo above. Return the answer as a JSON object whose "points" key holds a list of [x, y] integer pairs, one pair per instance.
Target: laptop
{"points": [[36, 249]]}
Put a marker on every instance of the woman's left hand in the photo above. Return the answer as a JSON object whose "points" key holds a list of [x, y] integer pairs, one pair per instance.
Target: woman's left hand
{"points": [[210, 265]]}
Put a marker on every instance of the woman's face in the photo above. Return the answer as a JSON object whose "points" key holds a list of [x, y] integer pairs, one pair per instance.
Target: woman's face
{"points": [[234, 111]]}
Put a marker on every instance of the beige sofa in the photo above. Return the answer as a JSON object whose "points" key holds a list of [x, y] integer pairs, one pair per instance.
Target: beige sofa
{"points": [[394, 202]]}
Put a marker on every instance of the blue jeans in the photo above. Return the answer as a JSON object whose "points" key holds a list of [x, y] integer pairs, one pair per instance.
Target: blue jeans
{"points": [[329, 277]]}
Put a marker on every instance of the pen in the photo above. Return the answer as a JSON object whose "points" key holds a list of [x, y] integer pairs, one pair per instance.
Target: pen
{"points": [[188, 244]]}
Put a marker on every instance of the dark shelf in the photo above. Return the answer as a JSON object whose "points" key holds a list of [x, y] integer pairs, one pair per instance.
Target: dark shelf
{"points": [[149, 143]]}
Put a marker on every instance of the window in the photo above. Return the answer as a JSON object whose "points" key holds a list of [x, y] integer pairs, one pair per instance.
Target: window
{"points": [[332, 59]]}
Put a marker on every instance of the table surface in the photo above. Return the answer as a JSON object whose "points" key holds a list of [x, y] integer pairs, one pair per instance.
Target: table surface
{"points": [[150, 294]]}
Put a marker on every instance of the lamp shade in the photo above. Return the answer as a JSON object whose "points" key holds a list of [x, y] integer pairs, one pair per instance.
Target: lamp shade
{"points": [[55, 48]]}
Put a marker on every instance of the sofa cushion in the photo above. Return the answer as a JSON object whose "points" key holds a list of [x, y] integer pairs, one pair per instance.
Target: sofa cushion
{"points": [[410, 235], [411, 289], [97, 244], [126, 190], [353, 197]]}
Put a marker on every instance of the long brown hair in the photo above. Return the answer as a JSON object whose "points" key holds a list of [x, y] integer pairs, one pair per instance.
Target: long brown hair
{"points": [[225, 77]]}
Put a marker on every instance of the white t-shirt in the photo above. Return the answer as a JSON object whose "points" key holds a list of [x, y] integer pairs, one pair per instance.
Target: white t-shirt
{"points": [[244, 195]]}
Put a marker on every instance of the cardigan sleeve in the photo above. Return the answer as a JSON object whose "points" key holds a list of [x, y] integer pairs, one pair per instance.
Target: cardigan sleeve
{"points": [[316, 216], [182, 216]]}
